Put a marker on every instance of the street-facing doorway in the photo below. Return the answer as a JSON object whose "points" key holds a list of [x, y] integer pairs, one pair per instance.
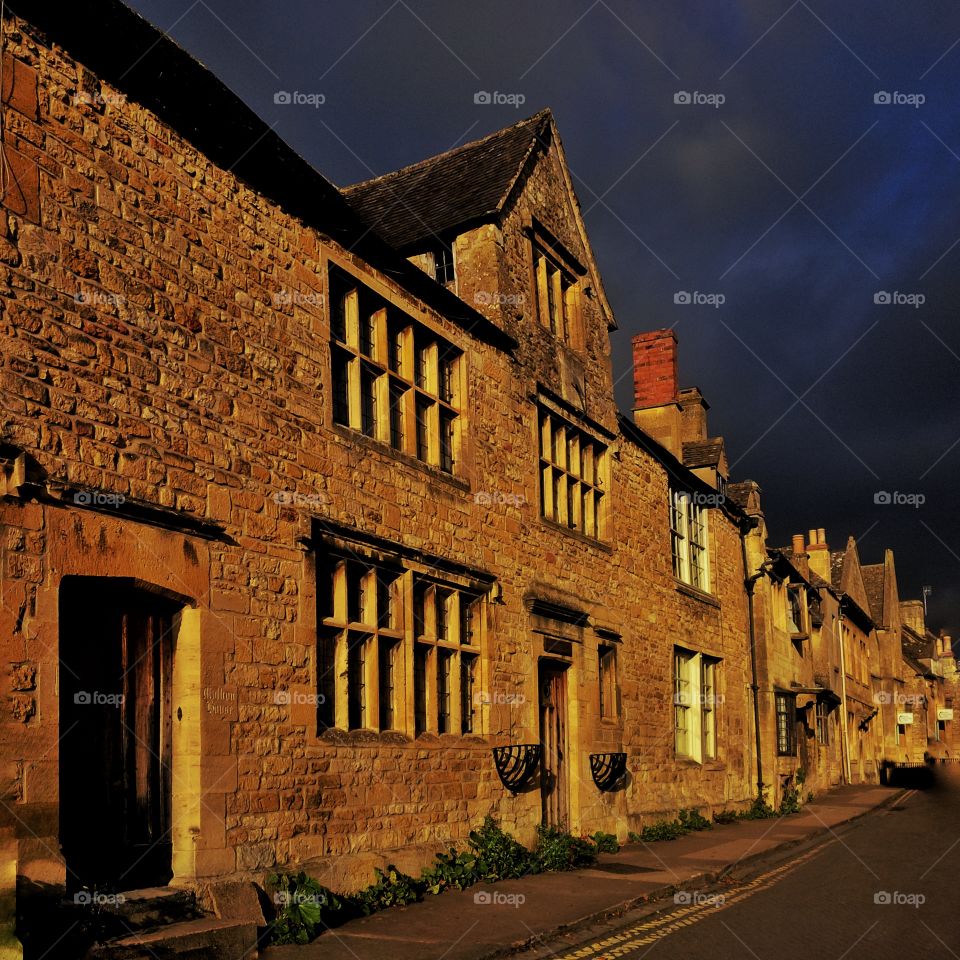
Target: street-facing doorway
{"points": [[116, 655], [553, 738]]}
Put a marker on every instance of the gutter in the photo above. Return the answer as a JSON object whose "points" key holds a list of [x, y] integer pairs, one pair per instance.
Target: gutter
{"points": [[749, 583], [844, 731]]}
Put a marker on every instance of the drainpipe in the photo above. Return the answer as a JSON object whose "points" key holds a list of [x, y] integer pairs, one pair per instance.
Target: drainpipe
{"points": [[749, 583], [844, 731]]}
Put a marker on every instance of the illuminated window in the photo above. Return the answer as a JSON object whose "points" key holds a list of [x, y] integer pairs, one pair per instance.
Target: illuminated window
{"points": [[557, 289], [572, 476], [823, 722], [361, 629], [445, 628], [393, 379], [363, 644], [688, 540], [695, 704], [786, 711]]}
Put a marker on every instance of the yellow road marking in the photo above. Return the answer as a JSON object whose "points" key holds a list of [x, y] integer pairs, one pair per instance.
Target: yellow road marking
{"points": [[621, 944]]}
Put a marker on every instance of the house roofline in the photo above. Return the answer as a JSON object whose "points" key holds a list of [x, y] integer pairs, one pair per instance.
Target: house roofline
{"points": [[200, 108]]}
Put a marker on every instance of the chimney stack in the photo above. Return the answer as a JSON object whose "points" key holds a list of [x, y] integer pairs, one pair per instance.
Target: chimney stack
{"points": [[657, 410], [819, 553], [693, 415], [911, 613], [654, 368], [948, 662], [798, 545]]}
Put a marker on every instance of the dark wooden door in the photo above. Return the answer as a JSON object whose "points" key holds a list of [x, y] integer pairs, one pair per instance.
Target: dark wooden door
{"points": [[116, 655], [553, 739]]}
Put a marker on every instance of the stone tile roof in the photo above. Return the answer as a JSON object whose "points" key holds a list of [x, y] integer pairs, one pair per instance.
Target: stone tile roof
{"points": [[817, 581], [913, 662], [740, 492], [916, 646], [703, 453], [873, 582], [418, 202]]}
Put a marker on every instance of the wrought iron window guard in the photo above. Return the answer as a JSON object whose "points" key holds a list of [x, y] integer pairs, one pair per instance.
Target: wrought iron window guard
{"points": [[516, 764], [607, 769]]}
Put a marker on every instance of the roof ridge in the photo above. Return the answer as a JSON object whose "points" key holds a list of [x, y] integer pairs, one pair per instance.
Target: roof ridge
{"points": [[538, 117]]}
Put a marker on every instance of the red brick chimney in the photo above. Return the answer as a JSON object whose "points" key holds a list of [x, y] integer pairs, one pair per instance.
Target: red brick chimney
{"points": [[654, 368], [657, 409]]}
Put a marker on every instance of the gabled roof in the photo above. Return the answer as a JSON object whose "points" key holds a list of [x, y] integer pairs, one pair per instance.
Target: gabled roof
{"points": [[467, 184], [745, 494], [436, 198], [703, 453], [916, 645], [846, 576]]}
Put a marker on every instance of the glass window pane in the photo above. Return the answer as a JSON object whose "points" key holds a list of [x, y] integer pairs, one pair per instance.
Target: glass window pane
{"points": [[340, 360], [421, 654], [468, 668], [447, 420]]}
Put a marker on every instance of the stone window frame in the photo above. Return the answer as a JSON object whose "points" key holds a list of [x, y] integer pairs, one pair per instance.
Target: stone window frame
{"points": [[785, 713], [393, 378], [382, 591], [696, 712], [556, 282], [608, 680], [558, 440], [709, 702], [795, 617], [822, 719], [445, 263], [446, 635], [689, 540]]}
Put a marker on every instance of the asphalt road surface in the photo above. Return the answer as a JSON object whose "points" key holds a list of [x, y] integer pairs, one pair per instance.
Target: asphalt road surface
{"points": [[886, 886]]}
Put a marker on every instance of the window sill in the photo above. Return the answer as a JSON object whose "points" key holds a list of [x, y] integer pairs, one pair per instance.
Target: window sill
{"points": [[364, 737], [709, 764], [576, 534], [389, 453], [700, 595]]}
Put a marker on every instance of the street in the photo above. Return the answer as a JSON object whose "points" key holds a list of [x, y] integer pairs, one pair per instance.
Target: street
{"points": [[883, 886]]}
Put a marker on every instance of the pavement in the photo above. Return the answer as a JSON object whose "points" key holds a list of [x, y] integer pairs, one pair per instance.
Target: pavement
{"points": [[493, 920], [880, 888]]}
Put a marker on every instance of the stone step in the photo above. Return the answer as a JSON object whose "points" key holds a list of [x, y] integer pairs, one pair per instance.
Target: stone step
{"points": [[205, 939], [150, 907]]}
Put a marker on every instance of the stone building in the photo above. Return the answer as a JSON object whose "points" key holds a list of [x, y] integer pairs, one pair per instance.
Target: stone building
{"points": [[798, 660], [929, 731], [313, 502], [323, 537]]}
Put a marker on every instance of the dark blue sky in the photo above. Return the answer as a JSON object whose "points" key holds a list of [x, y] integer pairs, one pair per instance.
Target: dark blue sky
{"points": [[798, 199]]}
